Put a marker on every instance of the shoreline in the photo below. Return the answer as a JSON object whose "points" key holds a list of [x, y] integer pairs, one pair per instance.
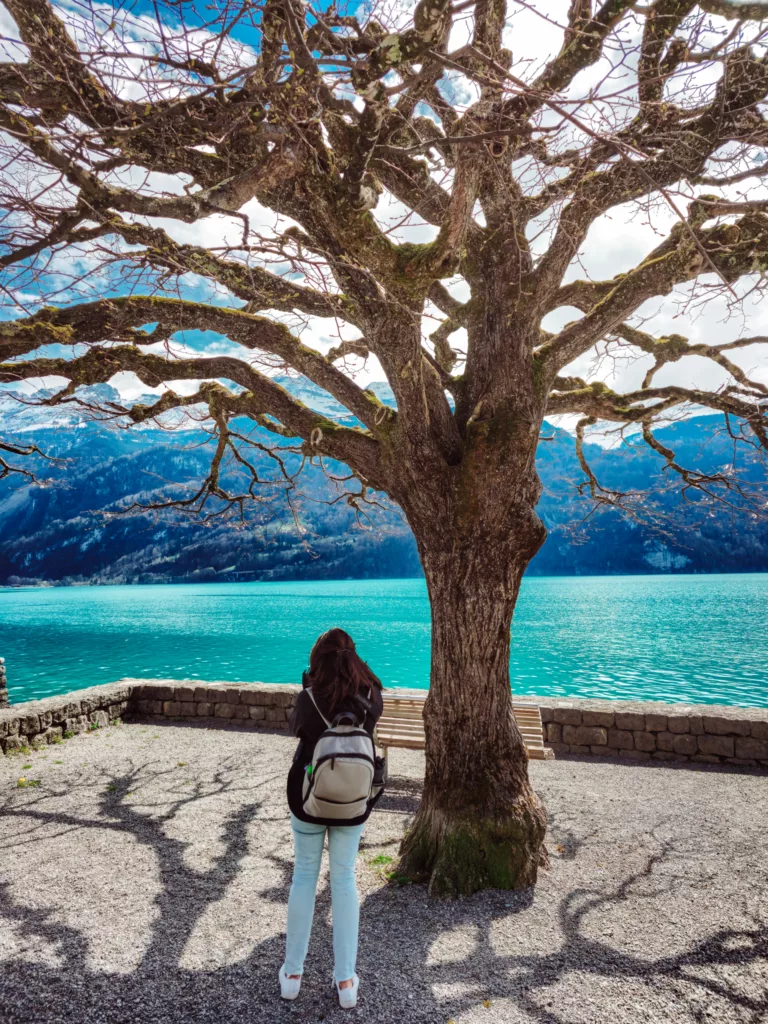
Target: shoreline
{"points": [[315, 581]]}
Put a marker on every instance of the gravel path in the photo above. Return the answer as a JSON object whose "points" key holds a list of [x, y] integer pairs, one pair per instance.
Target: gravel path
{"points": [[145, 880]]}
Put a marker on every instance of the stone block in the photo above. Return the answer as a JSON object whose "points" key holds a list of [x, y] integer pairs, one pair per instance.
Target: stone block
{"points": [[281, 699], [742, 762], [100, 718], [696, 725], [602, 751], [13, 743], [53, 733], [257, 713], [224, 710], [759, 730], [204, 709], [242, 711], [201, 693], [73, 709], [684, 743], [714, 725], [655, 723], [29, 725], [568, 716], [600, 718], [721, 746], [748, 747], [621, 739], [579, 748], [547, 715], [185, 693], [678, 723], [164, 692], [188, 709], [10, 727], [644, 741], [275, 715], [224, 696], [666, 755], [249, 697], [630, 720], [665, 741], [172, 708], [635, 755], [554, 732], [259, 698], [585, 735], [559, 749], [706, 758]]}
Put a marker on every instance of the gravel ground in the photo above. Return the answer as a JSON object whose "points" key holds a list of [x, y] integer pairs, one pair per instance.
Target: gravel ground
{"points": [[145, 880]]}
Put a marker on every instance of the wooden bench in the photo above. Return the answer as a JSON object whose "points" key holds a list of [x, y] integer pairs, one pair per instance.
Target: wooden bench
{"points": [[402, 725]]}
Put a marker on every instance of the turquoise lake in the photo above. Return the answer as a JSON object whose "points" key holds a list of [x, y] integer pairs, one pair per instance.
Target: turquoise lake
{"points": [[699, 639]]}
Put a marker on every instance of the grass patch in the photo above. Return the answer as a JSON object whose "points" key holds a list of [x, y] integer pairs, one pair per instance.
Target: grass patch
{"points": [[380, 860], [397, 879], [27, 783]]}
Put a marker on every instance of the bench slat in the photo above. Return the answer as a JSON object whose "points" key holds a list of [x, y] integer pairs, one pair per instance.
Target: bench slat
{"points": [[402, 725]]}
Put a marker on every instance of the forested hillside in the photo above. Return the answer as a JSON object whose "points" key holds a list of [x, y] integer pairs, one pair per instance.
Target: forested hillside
{"points": [[60, 529]]}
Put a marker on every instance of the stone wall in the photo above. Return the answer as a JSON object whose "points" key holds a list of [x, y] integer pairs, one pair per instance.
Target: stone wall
{"points": [[645, 731], [256, 705], [38, 722], [3, 685], [628, 730]]}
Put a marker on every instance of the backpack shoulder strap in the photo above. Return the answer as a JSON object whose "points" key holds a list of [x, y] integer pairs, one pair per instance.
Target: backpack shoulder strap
{"points": [[312, 698]]}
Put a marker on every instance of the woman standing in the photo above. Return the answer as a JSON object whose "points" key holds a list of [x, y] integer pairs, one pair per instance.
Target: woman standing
{"points": [[338, 683]]}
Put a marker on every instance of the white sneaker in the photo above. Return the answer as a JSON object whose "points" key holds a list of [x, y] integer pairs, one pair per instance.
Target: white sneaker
{"points": [[348, 996], [289, 987]]}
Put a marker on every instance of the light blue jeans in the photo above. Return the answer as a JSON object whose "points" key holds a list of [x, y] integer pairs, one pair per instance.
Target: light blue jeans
{"points": [[343, 842]]}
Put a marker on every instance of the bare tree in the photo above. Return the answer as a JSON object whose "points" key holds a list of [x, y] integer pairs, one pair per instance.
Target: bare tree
{"points": [[118, 135]]}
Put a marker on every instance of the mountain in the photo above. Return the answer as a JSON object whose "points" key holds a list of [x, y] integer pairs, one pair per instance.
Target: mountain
{"points": [[64, 529]]}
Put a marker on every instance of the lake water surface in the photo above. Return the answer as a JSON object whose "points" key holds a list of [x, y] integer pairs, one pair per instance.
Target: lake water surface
{"points": [[700, 639]]}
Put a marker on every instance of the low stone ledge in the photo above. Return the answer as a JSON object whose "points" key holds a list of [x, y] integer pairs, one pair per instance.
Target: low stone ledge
{"points": [[37, 722], [652, 730], [584, 727], [256, 705]]}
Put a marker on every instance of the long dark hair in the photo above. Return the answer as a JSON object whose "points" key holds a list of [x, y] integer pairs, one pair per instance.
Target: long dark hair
{"points": [[336, 670]]}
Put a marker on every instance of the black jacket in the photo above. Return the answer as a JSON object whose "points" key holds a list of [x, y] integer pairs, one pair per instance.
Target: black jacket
{"points": [[308, 726]]}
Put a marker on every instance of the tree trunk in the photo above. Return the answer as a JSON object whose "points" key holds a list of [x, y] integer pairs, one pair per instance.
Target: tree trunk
{"points": [[479, 825]]}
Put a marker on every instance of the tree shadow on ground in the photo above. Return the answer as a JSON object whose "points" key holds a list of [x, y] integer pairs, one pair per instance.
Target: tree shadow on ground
{"points": [[406, 978]]}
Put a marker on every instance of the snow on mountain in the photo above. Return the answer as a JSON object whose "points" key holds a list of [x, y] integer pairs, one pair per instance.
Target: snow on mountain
{"points": [[21, 415]]}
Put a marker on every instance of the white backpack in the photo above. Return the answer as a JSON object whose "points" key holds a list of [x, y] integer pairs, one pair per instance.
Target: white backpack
{"points": [[338, 783]]}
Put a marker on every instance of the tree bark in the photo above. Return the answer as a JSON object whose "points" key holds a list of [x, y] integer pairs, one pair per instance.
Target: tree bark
{"points": [[479, 824]]}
